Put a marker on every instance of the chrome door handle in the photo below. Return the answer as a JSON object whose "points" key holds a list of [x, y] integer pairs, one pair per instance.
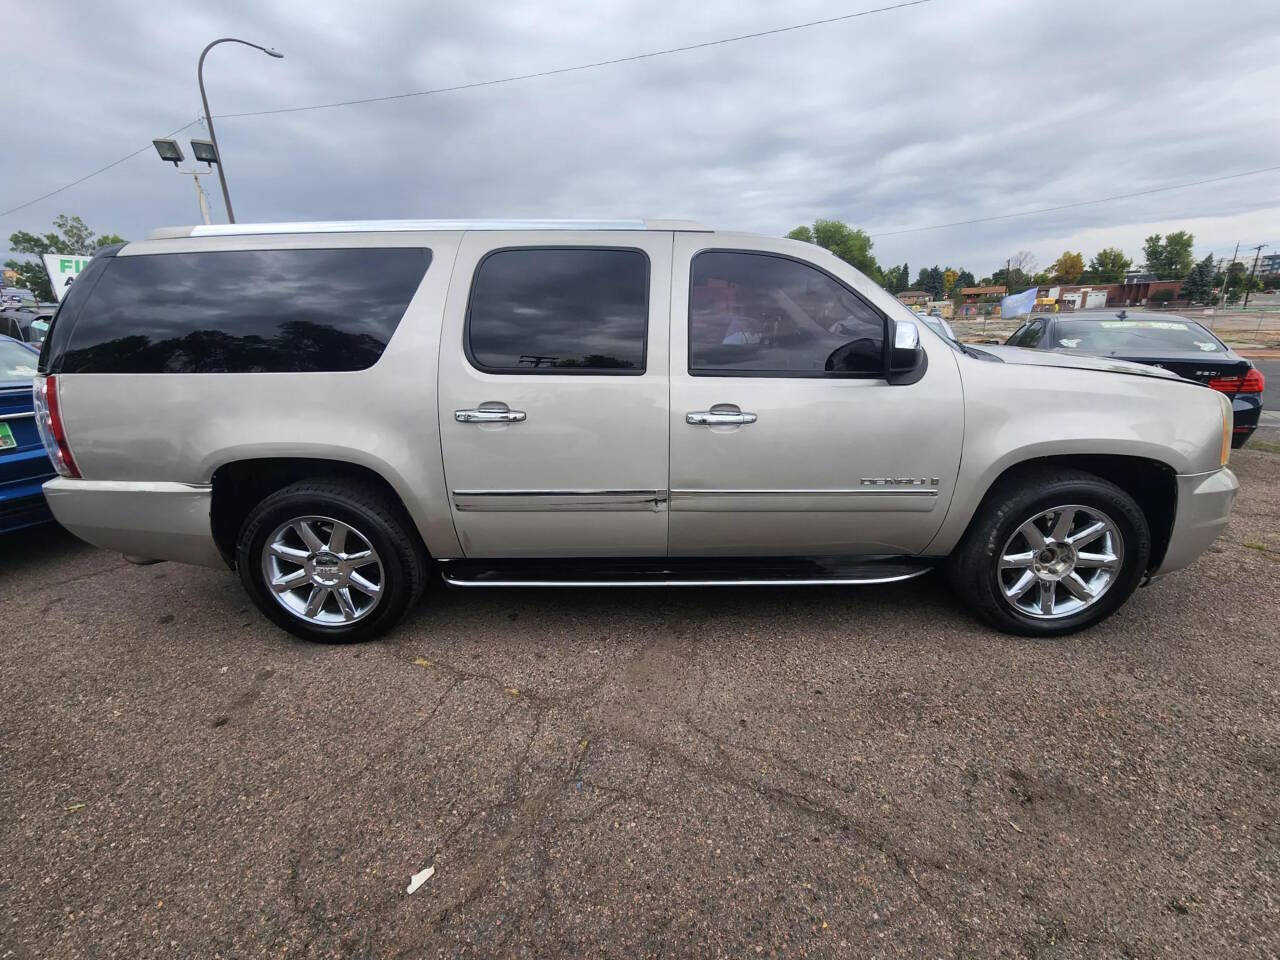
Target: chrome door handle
{"points": [[714, 418], [481, 415]]}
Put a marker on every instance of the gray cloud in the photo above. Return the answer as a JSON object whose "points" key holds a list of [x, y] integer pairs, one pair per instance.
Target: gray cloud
{"points": [[926, 115]]}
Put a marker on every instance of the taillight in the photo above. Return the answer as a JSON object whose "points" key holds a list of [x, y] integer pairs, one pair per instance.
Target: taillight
{"points": [[1251, 382], [49, 424]]}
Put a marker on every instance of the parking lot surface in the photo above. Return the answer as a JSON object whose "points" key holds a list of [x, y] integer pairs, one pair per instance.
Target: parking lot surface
{"points": [[626, 773]]}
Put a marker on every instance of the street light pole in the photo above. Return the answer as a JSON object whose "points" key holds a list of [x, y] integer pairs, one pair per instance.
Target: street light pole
{"points": [[208, 119]]}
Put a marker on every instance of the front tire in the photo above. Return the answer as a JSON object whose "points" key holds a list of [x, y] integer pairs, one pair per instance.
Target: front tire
{"points": [[331, 560], [1051, 552]]}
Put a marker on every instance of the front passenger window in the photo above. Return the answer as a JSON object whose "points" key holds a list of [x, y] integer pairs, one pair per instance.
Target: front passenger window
{"points": [[764, 315]]}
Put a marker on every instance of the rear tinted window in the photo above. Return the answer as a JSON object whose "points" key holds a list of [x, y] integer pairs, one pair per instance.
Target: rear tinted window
{"points": [[64, 318], [559, 310], [1111, 336], [242, 311]]}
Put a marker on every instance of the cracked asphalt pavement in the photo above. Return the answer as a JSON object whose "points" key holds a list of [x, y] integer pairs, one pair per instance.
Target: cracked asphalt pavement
{"points": [[626, 773]]}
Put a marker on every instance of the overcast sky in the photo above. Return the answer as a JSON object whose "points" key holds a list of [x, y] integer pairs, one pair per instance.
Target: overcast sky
{"points": [[935, 113]]}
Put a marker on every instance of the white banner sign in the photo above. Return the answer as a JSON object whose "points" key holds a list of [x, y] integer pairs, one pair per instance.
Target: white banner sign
{"points": [[62, 269]]}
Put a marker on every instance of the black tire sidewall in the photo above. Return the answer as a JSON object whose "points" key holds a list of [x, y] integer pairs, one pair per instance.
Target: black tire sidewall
{"points": [[978, 575], [389, 544]]}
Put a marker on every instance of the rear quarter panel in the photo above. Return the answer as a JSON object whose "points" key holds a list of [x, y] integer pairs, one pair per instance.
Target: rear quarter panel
{"points": [[1017, 412], [182, 427]]}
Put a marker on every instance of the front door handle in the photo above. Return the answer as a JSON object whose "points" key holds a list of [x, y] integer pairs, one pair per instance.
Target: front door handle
{"points": [[716, 418], [489, 413]]}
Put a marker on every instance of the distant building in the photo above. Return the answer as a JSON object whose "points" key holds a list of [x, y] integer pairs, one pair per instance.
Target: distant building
{"points": [[1096, 296], [985, 301], [978, 294], [1267, 263], [914, 298], [940, 308], [1137, 294], [1139, 276]]}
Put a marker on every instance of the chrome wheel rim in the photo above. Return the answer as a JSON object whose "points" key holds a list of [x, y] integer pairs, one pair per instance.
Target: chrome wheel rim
{"points": [[1060, 561], [323, 571]]}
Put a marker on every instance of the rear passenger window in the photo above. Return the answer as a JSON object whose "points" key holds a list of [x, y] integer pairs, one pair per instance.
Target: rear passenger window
{"points": [[559, 310], [269, 311], [753, 314]]}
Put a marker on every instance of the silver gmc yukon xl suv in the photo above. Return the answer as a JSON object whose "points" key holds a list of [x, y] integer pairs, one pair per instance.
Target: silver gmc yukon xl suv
{"points": [[346, 413]]}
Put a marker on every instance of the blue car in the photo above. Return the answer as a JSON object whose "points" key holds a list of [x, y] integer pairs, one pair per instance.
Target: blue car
{"points": [[24, 466]]}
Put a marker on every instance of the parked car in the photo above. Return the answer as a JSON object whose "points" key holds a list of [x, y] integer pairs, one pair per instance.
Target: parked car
{"points": [[24, 465], [343, 412], [938, 325], [26, 323], [1161, 340]]}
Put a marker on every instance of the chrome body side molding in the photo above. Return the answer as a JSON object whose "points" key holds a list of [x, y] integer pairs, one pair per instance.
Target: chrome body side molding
{"points": [[528, 501], [857, 499]]}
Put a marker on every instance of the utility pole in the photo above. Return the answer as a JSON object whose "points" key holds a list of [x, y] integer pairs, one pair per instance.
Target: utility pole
{"points": [[1252, 270], [1226, 272]]}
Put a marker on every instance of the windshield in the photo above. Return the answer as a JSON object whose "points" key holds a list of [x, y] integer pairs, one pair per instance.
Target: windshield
{"points": [[16, 361], [1121, 336]]}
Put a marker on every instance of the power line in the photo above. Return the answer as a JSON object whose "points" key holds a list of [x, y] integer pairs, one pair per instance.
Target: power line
{"points": [[1078, 203], [574, 69], [113, 163], [487, 83]]}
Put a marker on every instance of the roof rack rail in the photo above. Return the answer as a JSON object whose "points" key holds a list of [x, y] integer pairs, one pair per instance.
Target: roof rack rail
{"points": [[389, 226]]}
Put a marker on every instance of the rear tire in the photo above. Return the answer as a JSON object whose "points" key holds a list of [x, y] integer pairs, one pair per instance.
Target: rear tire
{"points": [[1050, 552], [331, 560]]}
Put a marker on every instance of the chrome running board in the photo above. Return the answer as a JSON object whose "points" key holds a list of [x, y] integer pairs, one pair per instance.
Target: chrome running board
{"points": [[682, 572]]}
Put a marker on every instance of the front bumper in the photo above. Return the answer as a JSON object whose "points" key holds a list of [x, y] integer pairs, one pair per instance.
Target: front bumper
{"points": [[1204, 507], [156, 521]]}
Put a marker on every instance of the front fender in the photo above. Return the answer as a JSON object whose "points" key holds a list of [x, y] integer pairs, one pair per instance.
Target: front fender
{"points": [[1021, 414]]}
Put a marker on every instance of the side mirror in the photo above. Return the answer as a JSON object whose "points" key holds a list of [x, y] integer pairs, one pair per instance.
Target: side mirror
{"points": [[907, 355]]}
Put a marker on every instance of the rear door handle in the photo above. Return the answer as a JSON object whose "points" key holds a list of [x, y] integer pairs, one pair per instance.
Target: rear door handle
{"points": [[714, 418], [489, 413]]}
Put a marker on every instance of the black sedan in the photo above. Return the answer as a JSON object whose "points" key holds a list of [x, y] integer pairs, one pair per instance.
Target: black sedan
{"points": [[1160, 340]]}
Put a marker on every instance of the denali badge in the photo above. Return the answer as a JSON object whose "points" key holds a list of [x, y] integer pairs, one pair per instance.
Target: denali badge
{"points": [[899, 481]]}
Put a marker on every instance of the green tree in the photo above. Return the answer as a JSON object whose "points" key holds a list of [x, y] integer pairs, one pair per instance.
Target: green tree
{"points": [[931, 280], [892, 280], [1177, 255], [905, 276], [1067, 268], [1018, 273], [1109, 265], [1233, 283], [70, 235], [850, 245], [1198, 287], [1169, 258]]}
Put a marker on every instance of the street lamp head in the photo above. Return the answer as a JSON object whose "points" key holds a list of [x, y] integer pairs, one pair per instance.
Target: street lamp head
{"points": [[204, 151], [169, 151], [273, 52]]}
